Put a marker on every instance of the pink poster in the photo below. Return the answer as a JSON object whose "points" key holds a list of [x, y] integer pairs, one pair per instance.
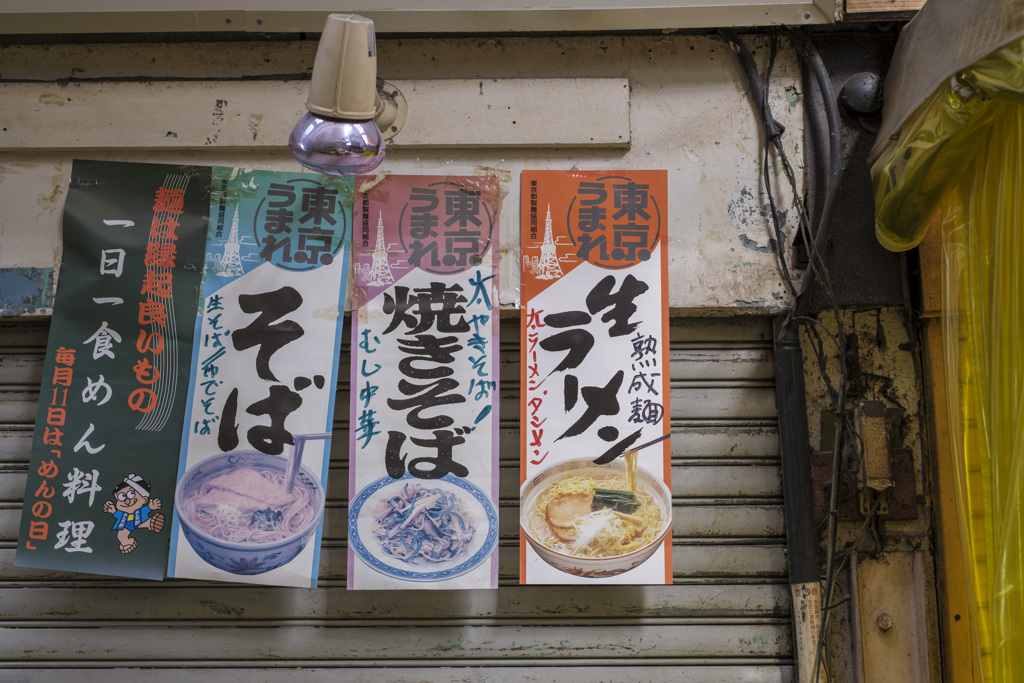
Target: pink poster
{"points": [[423, 478]]}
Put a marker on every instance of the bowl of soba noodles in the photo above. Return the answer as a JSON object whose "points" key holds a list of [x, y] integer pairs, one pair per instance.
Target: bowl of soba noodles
{"points": [[236, 515], [585, 520]]}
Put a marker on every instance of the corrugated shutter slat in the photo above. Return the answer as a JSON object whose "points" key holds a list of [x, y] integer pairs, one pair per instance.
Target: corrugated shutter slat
{"points": [[726, 618]]}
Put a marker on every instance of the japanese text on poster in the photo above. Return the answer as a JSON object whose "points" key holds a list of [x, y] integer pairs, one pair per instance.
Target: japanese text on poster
{"points": [[116, 370], [256, 439], [423, 447], [595, 464]]}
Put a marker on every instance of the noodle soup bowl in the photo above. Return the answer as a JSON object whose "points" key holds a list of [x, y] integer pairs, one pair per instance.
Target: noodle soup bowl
{"points": [[594, 567], [245, 558]]}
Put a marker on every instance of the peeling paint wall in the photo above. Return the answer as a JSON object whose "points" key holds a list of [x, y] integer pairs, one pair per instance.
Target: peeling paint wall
{"points": [[883, 364], [688, 113]]}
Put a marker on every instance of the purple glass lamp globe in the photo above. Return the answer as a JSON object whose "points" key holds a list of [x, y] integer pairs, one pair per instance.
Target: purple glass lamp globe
{"points": [[335, 146]]}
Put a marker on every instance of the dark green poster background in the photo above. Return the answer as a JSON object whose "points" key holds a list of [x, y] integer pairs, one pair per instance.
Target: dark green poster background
{"points": [[105, 452]]}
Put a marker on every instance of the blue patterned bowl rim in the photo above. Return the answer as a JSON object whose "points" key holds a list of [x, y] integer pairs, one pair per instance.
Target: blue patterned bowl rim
{"points": [[227, 461], [359, 546]]}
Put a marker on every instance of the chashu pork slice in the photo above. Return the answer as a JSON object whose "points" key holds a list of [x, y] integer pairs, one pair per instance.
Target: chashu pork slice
{"points": [[245, 489], [564, 510]]}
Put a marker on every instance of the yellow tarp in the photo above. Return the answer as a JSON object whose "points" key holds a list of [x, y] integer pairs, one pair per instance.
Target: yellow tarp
{"points": [[962, 153], [938, 144]]}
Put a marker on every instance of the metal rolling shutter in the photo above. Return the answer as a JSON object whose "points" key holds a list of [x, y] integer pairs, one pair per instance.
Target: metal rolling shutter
{"points": [[726, 618]]}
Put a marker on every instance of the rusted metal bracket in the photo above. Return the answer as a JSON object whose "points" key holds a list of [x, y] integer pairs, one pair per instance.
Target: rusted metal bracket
{"points": [[901, 499], [876, 477]]}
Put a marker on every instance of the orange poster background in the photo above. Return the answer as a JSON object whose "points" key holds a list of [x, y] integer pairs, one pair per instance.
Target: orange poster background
{"points": [[558, 190]]}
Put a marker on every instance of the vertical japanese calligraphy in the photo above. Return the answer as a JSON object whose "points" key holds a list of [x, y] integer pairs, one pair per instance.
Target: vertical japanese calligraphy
{"points": [[595, 379], [264, 376], [423, 446], [112, 398]]}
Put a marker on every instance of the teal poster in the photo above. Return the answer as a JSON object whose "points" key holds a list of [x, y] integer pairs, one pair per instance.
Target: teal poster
{"points": [[255, 443]]}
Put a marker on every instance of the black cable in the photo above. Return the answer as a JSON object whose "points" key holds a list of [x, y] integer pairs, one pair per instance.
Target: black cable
{"points": [[830, 587], [789, 336], [772, 135], [780, 240], [819, 354], [773, 132], [773, 128], [835, 164]]}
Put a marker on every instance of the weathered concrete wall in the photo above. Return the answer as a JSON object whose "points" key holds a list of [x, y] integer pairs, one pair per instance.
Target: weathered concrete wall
{"points": [[688, 112], [883, 364]]}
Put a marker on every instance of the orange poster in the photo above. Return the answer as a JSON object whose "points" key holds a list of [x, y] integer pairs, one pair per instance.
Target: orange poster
{"points": [[595, 466]]}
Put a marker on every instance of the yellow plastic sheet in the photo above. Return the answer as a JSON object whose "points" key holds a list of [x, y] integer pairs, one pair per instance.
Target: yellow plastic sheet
{"points": [[963, 155], [937, 144], [983, 248]]}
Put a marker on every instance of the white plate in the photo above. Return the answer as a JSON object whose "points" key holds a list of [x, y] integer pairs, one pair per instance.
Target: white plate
{"points": [[368, 548]]}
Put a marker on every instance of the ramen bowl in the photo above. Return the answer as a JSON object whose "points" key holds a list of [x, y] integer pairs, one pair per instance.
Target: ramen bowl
{"points": [[245, 558], [595, 567]]}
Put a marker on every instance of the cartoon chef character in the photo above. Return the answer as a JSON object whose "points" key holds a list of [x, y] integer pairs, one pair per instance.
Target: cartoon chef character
{"points": [[131, 509]]}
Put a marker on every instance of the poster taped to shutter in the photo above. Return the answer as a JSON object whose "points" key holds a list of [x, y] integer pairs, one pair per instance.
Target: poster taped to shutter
{"points": [[595, 502], [101, 473], [252, 476], [423, 471]]}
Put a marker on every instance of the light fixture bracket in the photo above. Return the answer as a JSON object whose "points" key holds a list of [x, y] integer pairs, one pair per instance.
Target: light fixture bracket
{"points": [[392, 109]]}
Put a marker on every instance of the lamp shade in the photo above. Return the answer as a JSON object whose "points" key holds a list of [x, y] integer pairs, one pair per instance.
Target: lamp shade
{"points": [[338, 135], [336, 147], [344, 84]]}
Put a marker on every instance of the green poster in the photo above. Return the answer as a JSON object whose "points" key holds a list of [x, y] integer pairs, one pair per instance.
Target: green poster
{"points": [[105, 452]]}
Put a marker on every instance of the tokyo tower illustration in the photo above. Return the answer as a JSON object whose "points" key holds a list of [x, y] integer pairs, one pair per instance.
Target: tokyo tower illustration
{"points": [[548, 268], [229, 264], [380, 271]]}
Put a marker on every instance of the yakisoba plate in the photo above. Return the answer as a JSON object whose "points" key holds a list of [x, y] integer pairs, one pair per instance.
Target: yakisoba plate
{"points": [[418, 529]]}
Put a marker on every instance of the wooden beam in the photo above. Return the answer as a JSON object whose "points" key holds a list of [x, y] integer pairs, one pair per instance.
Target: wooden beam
{"points": [[402, 16], [223, 114], [882, 6], [954, 615], [930, 256]]}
